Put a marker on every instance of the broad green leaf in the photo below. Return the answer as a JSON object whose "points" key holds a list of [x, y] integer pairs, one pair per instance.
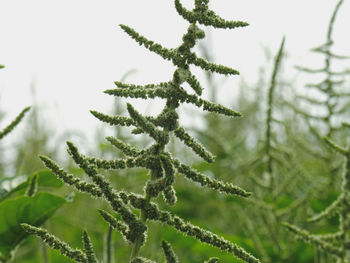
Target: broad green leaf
{"points": [[31, 210], [3, 193], [45, 179]]}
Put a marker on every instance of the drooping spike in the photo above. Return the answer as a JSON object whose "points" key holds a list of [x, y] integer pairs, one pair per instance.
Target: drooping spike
{"points": [[14, 123]]}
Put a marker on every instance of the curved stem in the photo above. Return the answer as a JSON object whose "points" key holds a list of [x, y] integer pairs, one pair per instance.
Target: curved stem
{"points": [[137, 244], [170, 105]]}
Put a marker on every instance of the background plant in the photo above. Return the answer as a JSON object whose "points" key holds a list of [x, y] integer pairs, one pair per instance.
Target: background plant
{"points": [[20, 202]]}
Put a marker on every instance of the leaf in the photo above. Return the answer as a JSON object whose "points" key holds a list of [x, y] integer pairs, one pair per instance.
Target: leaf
{"points": [[3, 193], [321, 203], [31, 210], [48, 179], [45, 179]]}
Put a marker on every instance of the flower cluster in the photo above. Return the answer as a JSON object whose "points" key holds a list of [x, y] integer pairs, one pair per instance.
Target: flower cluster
{"points": [[162, 166]]}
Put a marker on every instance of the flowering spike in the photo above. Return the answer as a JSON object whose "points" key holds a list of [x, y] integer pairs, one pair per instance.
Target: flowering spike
{"points": [[70, 179], [117, 164], [156, 48], [170, 256], [308, 238], [75, 254], [208, 66], [207, 105], [113, 120], [125, 148], [218, 108], [115, 224], [136, 227], [195, 85], [147, 126], [202, 235], [205, 180], [152, 212], [202, 15], [193, 144], [89, 249], [14, 123], [162, 167], [148, 86], [269, 117], [33, 186], [169, 195], [154, 187], [169, 169], [140, 93], [177, 58]]}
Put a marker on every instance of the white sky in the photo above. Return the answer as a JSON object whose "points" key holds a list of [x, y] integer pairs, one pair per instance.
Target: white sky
{"points": [[72, 50]]}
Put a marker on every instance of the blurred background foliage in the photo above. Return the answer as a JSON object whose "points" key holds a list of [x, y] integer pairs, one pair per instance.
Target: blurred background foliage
{"points": [[306, 175]]}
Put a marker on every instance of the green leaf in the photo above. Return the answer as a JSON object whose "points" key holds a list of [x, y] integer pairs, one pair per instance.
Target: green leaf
{"points": [[319, 204], [48, 179], [45, 179], [31, 210], [3, 193]]}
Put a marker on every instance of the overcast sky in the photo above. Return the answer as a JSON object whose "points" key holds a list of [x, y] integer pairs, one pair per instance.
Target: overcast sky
{"points": [[72, 50]]}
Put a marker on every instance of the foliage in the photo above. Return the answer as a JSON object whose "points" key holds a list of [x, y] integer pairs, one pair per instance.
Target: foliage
{"points": [[34, 210], [22, 204]]}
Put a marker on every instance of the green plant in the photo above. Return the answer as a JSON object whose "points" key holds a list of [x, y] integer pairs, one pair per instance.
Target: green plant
{"points": [[336, 244], [161, 164], [22, 204], [331, 88], [322, 106]]}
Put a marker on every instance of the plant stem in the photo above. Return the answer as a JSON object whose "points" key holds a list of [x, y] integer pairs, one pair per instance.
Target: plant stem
{"points": [[44, 254], [137, 244], [108, 250]]}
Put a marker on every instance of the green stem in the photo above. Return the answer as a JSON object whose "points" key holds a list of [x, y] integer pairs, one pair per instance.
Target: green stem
{"points": [[317, 255], [170, 105], [109, 245], [137, 244], [44, 254]]}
